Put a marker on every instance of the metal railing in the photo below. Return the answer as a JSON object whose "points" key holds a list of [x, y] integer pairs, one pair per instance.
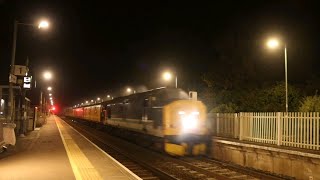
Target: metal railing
{"points": [[295, 129]]}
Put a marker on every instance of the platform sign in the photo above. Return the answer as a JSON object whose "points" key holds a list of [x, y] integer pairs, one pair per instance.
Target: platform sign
{"points": [[27, 82], [12, 78], [20, 70]]}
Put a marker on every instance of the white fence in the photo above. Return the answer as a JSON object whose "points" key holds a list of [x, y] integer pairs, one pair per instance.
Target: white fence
{"points": [[295, 129], [224, 124]]}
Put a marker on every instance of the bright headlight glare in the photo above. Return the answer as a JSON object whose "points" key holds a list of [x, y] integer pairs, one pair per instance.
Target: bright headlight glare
{"points": [[181, 112], [189, 120]]}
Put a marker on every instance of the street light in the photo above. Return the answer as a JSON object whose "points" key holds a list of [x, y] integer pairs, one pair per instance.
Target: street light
{"points": [[42, 25], [108, 96], [167, 76], [47, 75], [98, 99], [274, 43], [129, 90], [49, 88], [50, 94]]}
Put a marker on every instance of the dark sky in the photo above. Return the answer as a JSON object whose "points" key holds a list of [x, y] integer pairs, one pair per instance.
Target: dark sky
{"points": [[98, 47]]}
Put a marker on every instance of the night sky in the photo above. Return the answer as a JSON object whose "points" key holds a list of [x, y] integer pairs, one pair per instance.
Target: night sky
{"points": [[101, 47]]}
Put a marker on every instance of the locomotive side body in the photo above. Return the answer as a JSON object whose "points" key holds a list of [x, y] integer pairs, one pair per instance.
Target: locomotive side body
{"points": [[157, 114]]}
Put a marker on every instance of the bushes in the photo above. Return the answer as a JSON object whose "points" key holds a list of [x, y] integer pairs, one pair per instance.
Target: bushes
{"points": [[310, 104], [224, 108]]}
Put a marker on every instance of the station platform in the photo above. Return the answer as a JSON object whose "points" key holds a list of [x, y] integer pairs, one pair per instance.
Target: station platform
{"points": [[57, 151]]}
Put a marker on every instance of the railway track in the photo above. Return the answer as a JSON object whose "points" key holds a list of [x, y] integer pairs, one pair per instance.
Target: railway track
{"points": [[148, 164], [135, 165]]}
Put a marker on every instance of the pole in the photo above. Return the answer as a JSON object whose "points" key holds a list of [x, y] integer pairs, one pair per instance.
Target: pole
{"points": [[23, 107], [286, 75], [13, 57], [176, 81]]}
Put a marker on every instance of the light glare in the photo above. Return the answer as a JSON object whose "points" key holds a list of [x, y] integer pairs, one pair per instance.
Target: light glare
{"points": [[43, 24], [167, 76], [273, 43], [47, 75]]}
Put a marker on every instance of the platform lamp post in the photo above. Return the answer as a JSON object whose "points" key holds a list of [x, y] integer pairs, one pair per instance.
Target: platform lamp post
{"points": [[274, 43], [41, 25], [47, 76], [167, 76]]}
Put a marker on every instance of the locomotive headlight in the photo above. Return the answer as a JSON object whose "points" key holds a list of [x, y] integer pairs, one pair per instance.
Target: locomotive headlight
{"points": [[189, 120]]}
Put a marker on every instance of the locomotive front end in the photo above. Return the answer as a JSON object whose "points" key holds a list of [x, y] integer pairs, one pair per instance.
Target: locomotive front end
{"points": [[185, 131]]}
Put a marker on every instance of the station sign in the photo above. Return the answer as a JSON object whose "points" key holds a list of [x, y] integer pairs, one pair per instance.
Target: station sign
{"points": [[27, 82], [12, 78], [20, 70]]}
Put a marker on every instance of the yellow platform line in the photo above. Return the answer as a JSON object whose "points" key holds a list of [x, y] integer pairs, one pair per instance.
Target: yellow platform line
{"points": [[81, 166]]}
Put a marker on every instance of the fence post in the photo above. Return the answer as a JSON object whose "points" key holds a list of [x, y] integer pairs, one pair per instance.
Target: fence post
{"points": [[235, 126], [241, 126], [279, 128]]}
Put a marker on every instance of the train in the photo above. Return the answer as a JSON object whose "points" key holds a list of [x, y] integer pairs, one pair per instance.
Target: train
{"points": [[166, 115]]}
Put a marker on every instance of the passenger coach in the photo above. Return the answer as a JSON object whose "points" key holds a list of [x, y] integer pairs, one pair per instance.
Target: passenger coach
{"points": [[164, 115]]}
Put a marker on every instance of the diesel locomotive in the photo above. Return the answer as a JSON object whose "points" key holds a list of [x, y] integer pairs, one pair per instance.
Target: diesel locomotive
{"points": [[165, 115]]}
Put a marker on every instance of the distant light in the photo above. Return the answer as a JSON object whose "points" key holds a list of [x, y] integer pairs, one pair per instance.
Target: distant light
{"points": [[49, 88], [91, 100], [98, 99], [87, 102], [167, 76], [108, 96], [43, 24], [47, 75], [81, 103], [50, 98], [129, 90], [50, 94], [272, 43]]}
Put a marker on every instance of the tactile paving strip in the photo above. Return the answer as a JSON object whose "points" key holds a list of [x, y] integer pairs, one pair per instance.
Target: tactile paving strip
{"points": [[81, 166]]}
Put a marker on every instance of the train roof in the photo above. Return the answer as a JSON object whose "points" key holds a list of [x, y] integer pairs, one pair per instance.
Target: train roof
{"points": [[176, 93]]}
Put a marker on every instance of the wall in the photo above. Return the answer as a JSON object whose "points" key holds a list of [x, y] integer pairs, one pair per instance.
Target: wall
{"points": [[301, 164]]}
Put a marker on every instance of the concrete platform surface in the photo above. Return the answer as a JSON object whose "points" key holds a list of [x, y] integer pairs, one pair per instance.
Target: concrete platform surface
{"points": [[57, 151]]}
